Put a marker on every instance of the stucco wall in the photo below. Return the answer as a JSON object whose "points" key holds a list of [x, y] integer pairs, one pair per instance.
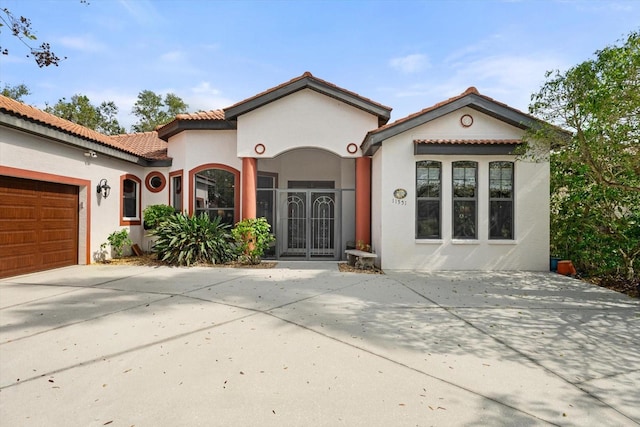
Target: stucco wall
{"points": [[303, 119], [193, 149], [394, 223]]}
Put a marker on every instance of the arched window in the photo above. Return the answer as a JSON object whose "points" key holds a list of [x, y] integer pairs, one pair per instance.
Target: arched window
{"points": [[130, 200], [214, 192]]}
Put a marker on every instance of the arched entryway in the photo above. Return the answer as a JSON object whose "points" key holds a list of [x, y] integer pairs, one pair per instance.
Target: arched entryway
{"points": [[308, 197]]}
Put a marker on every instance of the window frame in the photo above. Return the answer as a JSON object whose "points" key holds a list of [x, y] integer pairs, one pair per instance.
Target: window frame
{"points": [[428, 199], [455, 199], [172, 189], [131, 220], [509, 199], [236, 187]]}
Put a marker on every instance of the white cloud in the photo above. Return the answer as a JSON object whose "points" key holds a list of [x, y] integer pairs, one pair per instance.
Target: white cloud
{"points": [[205, 97], [410, 63], [84, 43]]}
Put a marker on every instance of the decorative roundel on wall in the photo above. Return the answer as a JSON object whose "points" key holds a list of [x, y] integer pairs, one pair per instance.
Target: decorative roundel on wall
{"points": [[352, 148], [466, 120], [259, 148], [400, 193], [155, 181]]}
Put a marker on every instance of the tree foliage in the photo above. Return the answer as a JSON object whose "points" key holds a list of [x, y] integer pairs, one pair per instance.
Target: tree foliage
{"points": [[152, 110], [595, 172], [17, 92], [80, 110]]}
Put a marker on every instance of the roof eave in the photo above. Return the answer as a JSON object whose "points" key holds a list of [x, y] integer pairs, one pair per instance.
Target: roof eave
{"points": [[176, 126], [309, 82], [60, 136], [373, 139]]}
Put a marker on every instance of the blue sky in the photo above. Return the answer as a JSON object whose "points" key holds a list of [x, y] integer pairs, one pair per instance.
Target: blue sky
{"points": [[405, 54]]}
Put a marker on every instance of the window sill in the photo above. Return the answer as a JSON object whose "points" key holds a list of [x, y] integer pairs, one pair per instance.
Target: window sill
{"points": [[130, 221], [465, 242], [503, 242], [429, 241]]}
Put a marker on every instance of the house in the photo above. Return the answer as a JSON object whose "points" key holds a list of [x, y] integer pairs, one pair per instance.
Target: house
{"points": [[438, 190]]}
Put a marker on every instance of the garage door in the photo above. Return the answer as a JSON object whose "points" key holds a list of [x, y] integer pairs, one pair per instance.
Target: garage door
{"points": [[38, 225]]}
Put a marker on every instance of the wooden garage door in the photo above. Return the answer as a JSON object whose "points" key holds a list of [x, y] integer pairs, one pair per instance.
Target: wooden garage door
{"points": [[38, 225]]}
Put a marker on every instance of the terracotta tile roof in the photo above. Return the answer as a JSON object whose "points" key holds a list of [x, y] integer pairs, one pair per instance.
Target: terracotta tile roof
{"points": [[468, 141], [146, 144], [202, 115], [15, 108]]}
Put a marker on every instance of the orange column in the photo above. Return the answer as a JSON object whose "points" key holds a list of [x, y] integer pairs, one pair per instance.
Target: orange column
{"points": [[363, 200], [249, 187]]}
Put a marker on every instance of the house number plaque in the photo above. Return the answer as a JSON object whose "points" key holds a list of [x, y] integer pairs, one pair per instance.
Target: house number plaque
{"points": [[398, 196]]}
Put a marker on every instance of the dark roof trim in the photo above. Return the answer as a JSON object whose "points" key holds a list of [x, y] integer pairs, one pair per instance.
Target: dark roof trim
{"points": [[464, 149], [177, 126], [309, 82], [59, 136], [499, 111]]}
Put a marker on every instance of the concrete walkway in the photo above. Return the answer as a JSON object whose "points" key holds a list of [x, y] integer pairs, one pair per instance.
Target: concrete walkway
{"points": [[306, 345]]}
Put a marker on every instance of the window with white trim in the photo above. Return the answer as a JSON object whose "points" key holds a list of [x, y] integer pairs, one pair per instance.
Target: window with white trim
{"points": [[428, 199], [130, 202], [501, 200], [465, 199]]}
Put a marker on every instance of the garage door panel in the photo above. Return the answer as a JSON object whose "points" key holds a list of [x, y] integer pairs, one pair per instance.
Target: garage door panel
{"points": [[53, 235], [55, 213], [38, 225], [56, 257], [15, 264], [17, 237], [8, 213]]}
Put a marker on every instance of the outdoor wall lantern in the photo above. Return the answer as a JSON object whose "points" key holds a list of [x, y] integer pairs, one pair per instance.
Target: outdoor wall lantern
{"points": [[103, 188]]}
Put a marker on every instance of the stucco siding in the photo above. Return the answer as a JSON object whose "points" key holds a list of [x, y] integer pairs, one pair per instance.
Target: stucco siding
{"points": [[193, 149], [396, 168], [449, 127], [303, 119]]}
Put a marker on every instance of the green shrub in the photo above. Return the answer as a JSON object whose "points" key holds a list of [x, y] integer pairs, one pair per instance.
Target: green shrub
{"points": [[185, 240], [253, 238], [118, 240], [154, 214]]}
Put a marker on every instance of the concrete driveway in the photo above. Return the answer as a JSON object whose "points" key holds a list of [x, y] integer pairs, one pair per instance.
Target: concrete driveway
{"points": [[304, 344]]}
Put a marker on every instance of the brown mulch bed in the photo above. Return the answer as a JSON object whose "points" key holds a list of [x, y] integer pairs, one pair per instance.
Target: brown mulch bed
{"points": [[616, 284], [151, 260], [346, 268]]}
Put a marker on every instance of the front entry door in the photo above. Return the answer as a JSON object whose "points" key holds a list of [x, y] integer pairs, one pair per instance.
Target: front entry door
{"points": [[308, 228]]}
